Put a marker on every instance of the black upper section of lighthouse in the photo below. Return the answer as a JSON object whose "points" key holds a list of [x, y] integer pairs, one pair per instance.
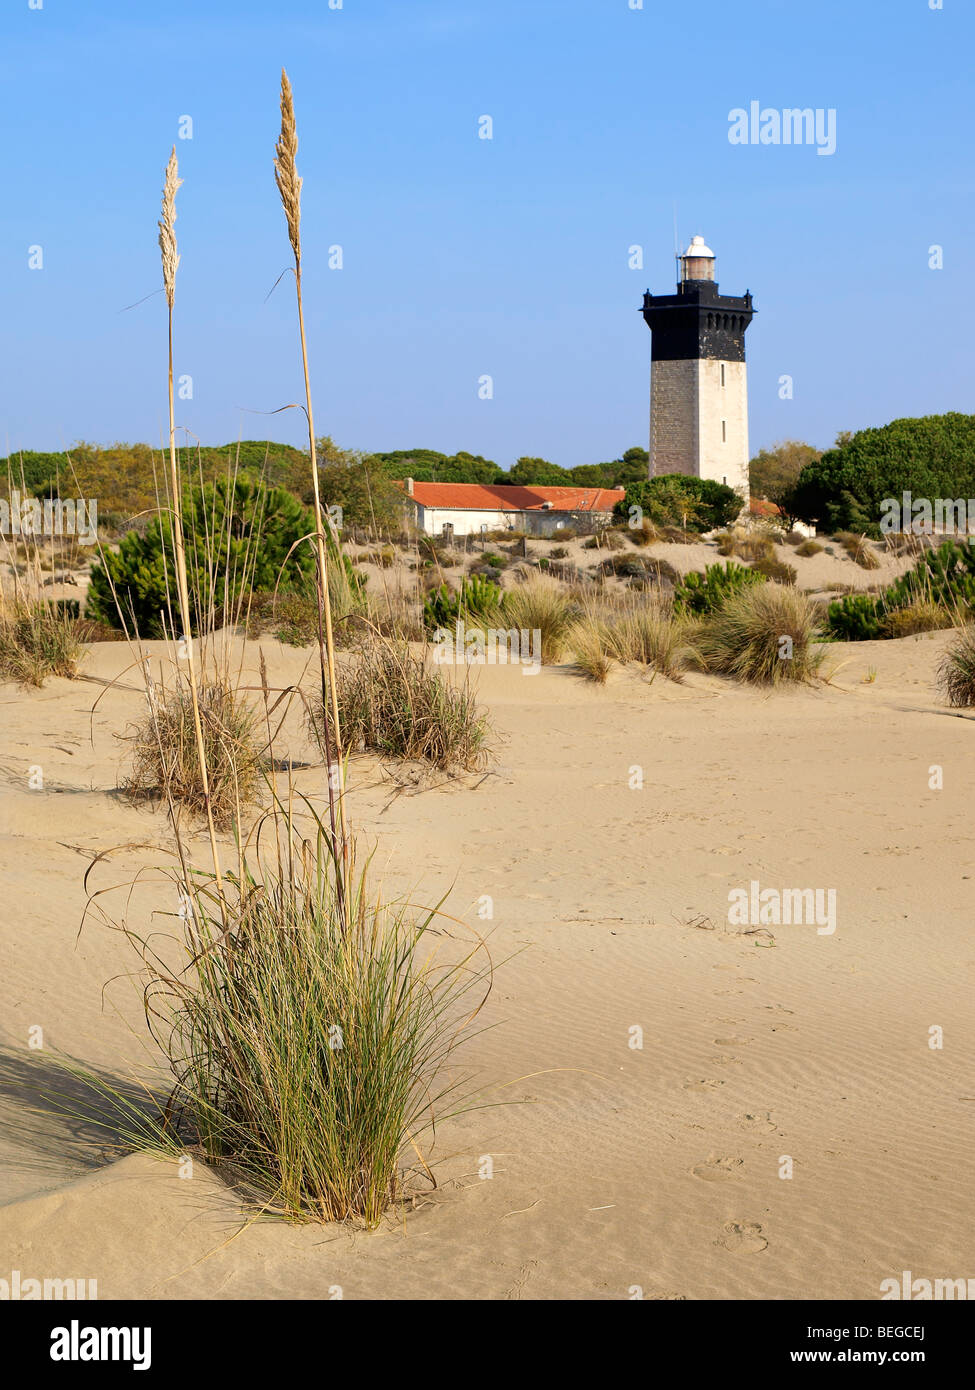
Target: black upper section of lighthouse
{"points": [[697, 322]]}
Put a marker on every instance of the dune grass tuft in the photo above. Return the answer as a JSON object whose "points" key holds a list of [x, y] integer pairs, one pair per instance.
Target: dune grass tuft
{"points": [[776, 570], [391, 703], [763, 634], [308, 1024], [859, 549], [309, 1037], [956, 674], [588, 642], [641, 631], [164, 751], [37, 640], [654, 637], [542, 605]]}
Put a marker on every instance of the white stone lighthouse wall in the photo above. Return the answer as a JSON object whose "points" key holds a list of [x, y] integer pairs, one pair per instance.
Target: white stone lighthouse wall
{"points": [[722, 423], [673, 417]]}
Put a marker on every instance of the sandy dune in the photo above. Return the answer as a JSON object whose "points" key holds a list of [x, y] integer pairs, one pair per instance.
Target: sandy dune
{"points": [[617, 1168]]}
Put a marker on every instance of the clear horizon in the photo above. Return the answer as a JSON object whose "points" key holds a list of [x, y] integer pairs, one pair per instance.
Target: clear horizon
{"points": [[465, 257]]}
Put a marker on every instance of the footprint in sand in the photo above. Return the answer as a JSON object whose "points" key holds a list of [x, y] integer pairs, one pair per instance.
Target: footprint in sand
{"points": [[702, 1083], [731, 1042], [756, 1122], [742, 1237], [725, 1061], [718, 1169]]}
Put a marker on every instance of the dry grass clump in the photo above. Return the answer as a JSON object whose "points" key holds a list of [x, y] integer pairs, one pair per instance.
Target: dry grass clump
{"points": [[542, 605], [745, 545], [809, 547], [588, 642], [608, 538], [904, 543], [383, 559], [859, 549], [652, 636], [645, 634], [164, 750], [776, 570], [755, 547], [37, 640], [645, 533], [956, 673], [391, 704], [763, 634], [398, 614], [923, 615]]}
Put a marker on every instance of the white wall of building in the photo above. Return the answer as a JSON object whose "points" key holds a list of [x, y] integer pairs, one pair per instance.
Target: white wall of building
{"points": [[699, 420], [430, 520], [722, 430]]}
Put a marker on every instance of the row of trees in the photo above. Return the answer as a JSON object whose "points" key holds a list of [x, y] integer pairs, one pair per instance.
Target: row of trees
{"points": [[124, 477], [841, 489], [845, 487]]}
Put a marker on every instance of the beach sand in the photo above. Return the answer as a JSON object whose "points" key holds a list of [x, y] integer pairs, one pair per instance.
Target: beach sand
{"points": [[616, 1169]]}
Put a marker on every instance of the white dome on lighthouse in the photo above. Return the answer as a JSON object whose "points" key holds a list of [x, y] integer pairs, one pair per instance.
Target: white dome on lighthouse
{"points": [[697, 262], [699, 248]]}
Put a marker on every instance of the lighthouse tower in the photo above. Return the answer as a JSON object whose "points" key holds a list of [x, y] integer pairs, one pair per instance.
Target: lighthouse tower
{"points": [[698, 388]]}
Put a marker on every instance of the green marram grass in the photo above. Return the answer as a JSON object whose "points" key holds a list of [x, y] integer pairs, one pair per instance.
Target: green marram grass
{"points": [[310, 1045]]}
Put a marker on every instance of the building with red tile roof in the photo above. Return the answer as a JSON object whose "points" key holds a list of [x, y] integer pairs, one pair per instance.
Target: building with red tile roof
{"points": [[463, 509]]}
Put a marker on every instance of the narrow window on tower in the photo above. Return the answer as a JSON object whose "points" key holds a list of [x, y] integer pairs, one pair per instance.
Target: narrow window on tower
{"points": [[724, 431], [722, 376]]}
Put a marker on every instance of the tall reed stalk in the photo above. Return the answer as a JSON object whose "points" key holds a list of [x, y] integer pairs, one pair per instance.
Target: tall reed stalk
{"points": [[170, 264], [289, 187]]}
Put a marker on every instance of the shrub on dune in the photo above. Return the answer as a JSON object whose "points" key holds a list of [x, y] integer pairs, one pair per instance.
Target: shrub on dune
{"points": [[702, 593], [923, 615], [858, 549]]}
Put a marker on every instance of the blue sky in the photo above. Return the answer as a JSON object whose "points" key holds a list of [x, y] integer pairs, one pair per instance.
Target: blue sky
{"points": [[466, 257]]}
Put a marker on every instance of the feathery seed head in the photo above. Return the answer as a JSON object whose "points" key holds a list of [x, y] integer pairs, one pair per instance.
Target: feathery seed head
{"points": [[167, 234], [285, 167]]}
